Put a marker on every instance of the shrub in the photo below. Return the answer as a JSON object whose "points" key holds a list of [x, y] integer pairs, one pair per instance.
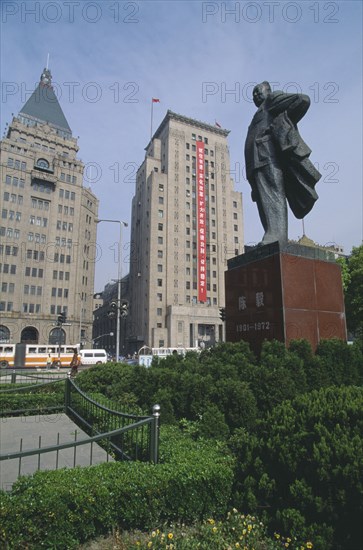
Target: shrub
{"points": [[62, 508], [42, 399], [305, 465]]}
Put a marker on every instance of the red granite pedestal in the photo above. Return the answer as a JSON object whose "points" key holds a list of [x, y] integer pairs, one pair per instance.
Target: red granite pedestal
{"points": [[284, 294]]}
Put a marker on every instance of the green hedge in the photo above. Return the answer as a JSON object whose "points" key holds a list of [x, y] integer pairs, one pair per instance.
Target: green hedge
{"points": [[304, 466], [35, 401], [228, 378], [60, 509]]}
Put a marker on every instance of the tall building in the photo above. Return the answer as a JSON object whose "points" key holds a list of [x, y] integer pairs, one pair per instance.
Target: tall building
{"points": [[48, 229], [186, 222]]}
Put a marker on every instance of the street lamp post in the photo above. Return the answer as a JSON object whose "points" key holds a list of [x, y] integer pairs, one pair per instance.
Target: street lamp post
{"points": [[119, 278], [101, 336], [80, 294]]}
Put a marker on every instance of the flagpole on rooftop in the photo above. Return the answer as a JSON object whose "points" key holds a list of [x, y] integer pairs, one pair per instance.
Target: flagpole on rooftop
{"points": [[153, 100], [151, 125]]}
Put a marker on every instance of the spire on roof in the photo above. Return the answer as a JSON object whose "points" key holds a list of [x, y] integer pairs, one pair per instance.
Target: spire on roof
{"points": [[43, 105]]}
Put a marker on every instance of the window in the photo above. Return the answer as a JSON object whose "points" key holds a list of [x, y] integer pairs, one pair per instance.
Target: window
{"points": [[160, 268], [160, 282], [159, 311], [160, 226]]}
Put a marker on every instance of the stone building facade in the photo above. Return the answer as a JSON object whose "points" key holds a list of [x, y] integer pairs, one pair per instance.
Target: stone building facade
{"points": [[48, 229], [187, 222]]}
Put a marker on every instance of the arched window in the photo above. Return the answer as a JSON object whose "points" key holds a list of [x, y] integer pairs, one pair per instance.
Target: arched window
{"points": [[4, 335], [29, 335], [57, 336]]}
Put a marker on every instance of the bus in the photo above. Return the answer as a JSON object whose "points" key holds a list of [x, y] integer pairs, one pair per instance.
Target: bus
{"points": [[36, 355], [147, 354]]}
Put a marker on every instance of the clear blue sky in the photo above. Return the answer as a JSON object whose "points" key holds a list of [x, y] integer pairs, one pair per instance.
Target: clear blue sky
{"points": [[108, 59]]}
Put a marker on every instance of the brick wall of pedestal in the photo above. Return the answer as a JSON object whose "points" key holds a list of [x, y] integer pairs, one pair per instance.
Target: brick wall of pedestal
{"points": [[284, 296]]}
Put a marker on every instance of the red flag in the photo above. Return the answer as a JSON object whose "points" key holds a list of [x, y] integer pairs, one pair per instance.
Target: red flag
{"points": [[154, 100], [218, 125]]}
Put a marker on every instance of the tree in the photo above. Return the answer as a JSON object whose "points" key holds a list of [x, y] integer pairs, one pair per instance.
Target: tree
{"points": [[354, 292]]}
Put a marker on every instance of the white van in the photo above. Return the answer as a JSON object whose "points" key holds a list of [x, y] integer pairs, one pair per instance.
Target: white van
{"points": [[93, 356]]}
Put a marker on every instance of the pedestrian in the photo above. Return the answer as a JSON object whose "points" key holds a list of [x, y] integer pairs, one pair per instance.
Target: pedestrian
{"points": [[74, 363], [49, 362]]}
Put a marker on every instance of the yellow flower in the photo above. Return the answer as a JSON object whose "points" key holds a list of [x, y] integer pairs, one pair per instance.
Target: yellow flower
{"points": [[237, 545], [214, 529], [211, 521], [149, 544], [277, 536], [286, 545], [288, 539], [153, 534], [170, 536], [244, 531], [309, 545]]}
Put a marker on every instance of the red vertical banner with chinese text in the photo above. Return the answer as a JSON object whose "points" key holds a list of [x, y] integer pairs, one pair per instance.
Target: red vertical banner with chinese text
{"points": [[201, 225]]}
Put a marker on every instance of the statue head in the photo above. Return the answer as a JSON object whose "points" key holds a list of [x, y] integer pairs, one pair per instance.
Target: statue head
{"points": [[260, 92]]}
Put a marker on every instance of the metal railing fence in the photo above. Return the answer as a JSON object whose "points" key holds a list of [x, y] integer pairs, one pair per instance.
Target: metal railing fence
{"points": [[122, 436], [138, 438]]}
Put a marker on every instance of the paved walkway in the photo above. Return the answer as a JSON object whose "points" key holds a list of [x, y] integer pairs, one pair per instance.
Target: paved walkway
{"points": [[47, 427]]}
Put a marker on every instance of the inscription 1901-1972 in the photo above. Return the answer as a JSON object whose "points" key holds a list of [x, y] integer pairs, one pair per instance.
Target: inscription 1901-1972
{"points": [[246, 327]]}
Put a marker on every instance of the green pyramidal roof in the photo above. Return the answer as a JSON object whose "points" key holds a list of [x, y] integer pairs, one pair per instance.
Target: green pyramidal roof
{"points": [[43, 104]]}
